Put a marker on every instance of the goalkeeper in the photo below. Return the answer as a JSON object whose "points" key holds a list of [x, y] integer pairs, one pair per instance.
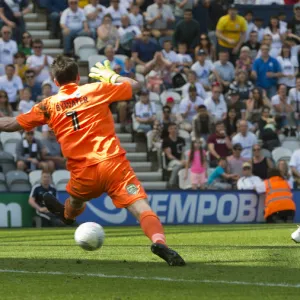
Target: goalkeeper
{"points": [[84, 127]]}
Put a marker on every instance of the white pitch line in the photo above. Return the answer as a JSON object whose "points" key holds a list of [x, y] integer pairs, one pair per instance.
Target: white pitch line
{"points": [[100, 275]]}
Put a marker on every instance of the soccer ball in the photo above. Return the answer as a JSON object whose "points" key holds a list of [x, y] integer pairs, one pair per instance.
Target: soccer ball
{"points": [[89, 236]]}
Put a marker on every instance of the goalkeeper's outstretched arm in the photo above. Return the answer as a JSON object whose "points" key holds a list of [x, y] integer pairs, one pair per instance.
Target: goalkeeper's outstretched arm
{"points": [[134, 84], [9, 124]]}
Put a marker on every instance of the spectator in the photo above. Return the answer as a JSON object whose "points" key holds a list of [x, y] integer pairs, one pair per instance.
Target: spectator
{"points": [[135, 17], [235, 161], [276, 187], [8, 48], [110, 55], [269, 2], [253, 44], [245, 61], [55, 9], [230, 122], [51, 152], [294, 24], [145, 112], [46, 91], [187, 31], [242, 85], [294, 96], [26, 44], [250, 25], [107, 34], [255, 105], [260, 163], [181, 7], [203, 68], [198, 164], [174, 107], [168, 53], [39, 62], [155, 138], [29, 153], [5, 107], [246, 138], [184, 60], [83, 3], [173, 149], [282, 166], [188, 108], [129, 69], [20, 65], [202, 124], [126, 3], [192, 80], [159, 18], [276, 32], [294, 164], [224, 70], [231, 32], [219, 179], [12, 84], [167, 118], [265, 118], [282, 21], [219, 144], [36, 200], [30, 81], [94, 13], [26, 103], [282, 106], [248, 181], [160, 74], [216, 104], [128, 33], [54, 87], [234, 101], [289, 66], [73, 24], [12, 14], [267, 40], [259, 22], [266, 70], [143, 51], [116, 11], [207, 46]]}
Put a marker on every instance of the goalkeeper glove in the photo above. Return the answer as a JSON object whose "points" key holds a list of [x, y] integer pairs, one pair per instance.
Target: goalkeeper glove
{"points": [[103, 72]]}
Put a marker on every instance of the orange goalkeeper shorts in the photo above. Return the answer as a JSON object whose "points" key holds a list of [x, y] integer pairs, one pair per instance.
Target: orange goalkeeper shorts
{"points": [[113, 176]]}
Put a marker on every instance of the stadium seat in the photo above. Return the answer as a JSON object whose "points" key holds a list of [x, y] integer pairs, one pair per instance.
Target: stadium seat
{"points": [[266, 153], [9, 141], [121, 57], [18, 181], [186, 136], [281, 153], [7, 162], [291, 145], [154, 97], [83, 42], [93, 59], [35, 177], [184, 184], [3, 186], [85, 52], [167, 94], [60, 179]]}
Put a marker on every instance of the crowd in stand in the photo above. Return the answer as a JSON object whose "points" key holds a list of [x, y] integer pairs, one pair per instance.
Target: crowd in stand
{"points": [[231, 90]]}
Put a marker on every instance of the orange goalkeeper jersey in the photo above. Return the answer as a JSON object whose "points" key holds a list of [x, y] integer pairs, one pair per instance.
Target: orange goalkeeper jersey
{"points": [[81, 120]]}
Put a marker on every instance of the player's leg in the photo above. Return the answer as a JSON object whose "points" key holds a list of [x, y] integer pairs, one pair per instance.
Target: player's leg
{"points": [[153, 229], [126, 191]]}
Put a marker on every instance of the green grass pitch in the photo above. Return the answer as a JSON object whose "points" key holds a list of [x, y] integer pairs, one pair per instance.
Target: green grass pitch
{"points": [[223, 262]]}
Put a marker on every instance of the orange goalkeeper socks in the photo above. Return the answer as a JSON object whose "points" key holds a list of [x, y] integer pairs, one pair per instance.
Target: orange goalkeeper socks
{"points": [[70, 212], [152, 227]]}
